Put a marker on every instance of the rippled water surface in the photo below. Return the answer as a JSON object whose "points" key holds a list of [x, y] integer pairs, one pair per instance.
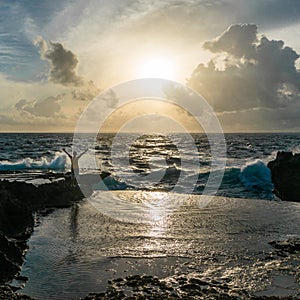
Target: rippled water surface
{"points": [[75, 251]]}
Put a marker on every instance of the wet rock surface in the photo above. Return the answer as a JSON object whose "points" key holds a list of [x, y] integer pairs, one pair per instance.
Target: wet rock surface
{"points": [[137, 287], [175, 287], [286, 247], [285, 172], [8, 293], [18, 202]]}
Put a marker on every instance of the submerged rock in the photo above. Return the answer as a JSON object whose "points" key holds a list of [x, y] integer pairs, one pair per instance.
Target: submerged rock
{"points": [[285, 172]]}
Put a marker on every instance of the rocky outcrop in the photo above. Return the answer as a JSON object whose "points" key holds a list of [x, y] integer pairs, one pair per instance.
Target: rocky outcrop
{"points": [[285, 172], [18, 202], [7, 293], [11, 257], [138, 287]]}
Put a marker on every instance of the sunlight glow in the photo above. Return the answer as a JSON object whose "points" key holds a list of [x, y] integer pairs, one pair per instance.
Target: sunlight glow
{"points": [[157, 67]]}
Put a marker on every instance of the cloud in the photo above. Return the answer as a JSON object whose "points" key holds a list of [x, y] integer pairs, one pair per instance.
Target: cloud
{"points": [[262, 119], [86, 92], [111, 98], [174, 25], [63, 63], [48, 107], [249, 71], [63, 69], [98, 110], [237, 40], [271, 14]]}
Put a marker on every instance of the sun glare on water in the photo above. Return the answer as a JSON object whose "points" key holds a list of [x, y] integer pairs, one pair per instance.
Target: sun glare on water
{"points": [[157, 68]]}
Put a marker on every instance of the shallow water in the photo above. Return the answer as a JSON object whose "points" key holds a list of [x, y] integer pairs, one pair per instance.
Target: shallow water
{"points": [[75, 251]]}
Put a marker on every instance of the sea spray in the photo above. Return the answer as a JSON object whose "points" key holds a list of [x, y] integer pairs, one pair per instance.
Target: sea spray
{"points": [[59, 163]]}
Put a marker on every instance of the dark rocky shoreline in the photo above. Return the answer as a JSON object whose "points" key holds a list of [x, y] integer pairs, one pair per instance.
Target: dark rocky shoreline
{"points": [[285, 172]]}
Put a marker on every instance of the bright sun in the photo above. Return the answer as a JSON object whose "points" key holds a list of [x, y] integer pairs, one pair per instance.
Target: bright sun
{"points": [[157, 67]]}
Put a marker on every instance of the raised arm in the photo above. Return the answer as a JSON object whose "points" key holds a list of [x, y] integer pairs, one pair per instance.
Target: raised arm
{"points": [[67, 153], [86, 150]]}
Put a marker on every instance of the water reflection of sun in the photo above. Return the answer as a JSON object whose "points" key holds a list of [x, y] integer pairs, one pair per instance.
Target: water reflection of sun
{"points": [[157, 212]]}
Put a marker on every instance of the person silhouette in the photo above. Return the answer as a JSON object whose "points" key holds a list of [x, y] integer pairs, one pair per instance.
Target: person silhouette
{"points": [[74, 161]]}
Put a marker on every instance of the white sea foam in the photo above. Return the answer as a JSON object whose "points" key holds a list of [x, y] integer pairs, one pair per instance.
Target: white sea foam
{"points": [[58, 162]]}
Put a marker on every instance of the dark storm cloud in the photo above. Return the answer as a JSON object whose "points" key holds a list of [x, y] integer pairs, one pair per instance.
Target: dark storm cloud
{"points": [[48, 107], [251, 71]]}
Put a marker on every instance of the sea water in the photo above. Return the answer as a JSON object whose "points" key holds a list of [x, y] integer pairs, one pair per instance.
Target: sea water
{"points": [[76, 250], [246, 174]]}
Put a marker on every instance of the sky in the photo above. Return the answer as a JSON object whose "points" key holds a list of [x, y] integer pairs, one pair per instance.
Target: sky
{"points": [[242, 56]]}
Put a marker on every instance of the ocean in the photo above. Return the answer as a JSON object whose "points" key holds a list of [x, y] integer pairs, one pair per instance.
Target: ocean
{"points": [[246, 174], [77, 250]]}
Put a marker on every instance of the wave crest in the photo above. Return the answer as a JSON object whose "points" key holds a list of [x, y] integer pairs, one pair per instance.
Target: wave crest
{"points": [[59, 162], [256, 174]]}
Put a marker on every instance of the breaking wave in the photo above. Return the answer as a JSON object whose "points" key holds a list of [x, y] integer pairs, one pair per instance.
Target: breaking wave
{"points": [[58, 163]]}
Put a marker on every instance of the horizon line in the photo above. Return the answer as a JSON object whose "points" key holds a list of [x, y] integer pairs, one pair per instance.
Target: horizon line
{"points": [[137, 132]]}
